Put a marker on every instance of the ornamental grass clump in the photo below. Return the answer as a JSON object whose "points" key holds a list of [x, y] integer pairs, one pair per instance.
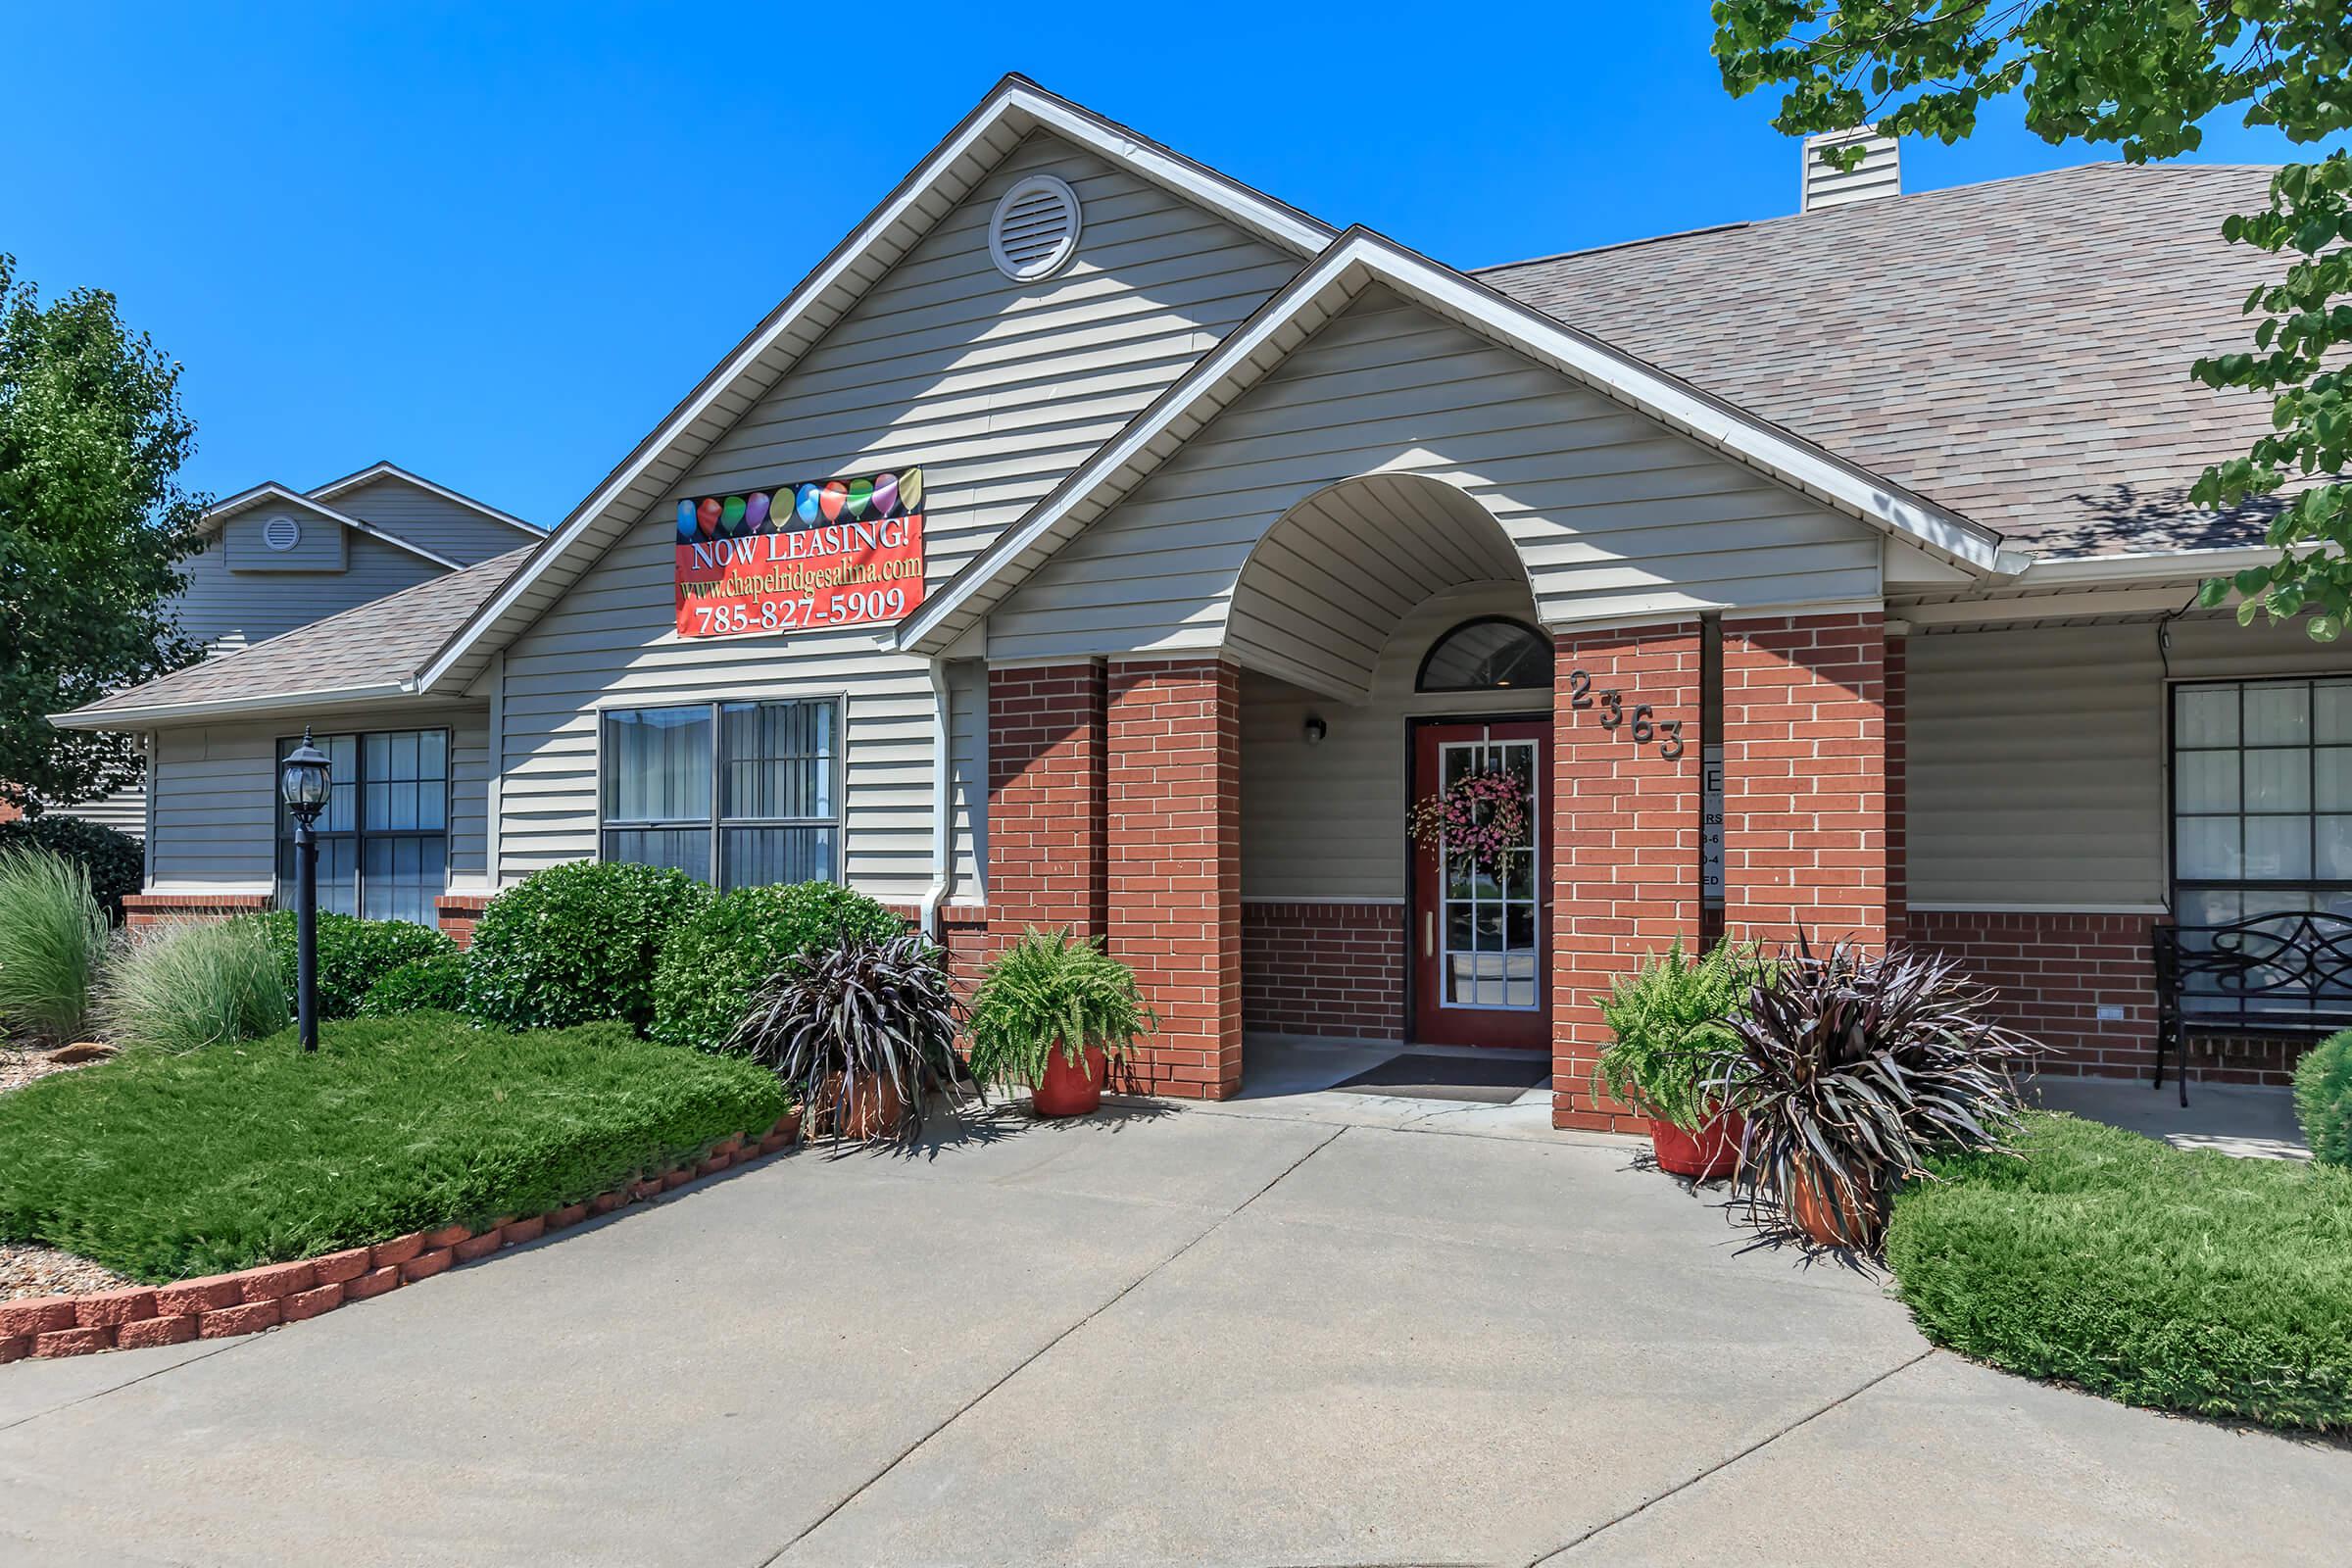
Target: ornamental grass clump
{"points": [[1851, 1067], [185, 985], [1670, 1024], [859, 1032], [53, 937], [1048, 991]]}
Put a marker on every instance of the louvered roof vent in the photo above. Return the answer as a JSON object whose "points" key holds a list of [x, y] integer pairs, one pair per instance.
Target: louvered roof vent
{"points": [[1880, 173], [1035, 231], [282, 532]]}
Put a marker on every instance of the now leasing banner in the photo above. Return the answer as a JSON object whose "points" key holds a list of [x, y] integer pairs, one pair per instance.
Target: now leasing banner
{"points": [[829, 553]]}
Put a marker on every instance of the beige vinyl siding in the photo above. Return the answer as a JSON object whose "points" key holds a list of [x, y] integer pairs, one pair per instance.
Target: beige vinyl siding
{"points": [[216, 805], [996, 390], [223, 609], [124, 811], [446, 527], [968, 735], [2035, 757], [1328, 821], [1610, 514]]}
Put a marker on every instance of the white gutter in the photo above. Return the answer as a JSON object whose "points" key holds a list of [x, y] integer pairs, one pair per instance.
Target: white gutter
{"points": [[2149, 565], [943, 805], [133, 718]]}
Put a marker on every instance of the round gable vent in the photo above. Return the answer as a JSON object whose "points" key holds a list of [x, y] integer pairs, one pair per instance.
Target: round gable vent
{"points": [[282, 532], [1035, 231]]}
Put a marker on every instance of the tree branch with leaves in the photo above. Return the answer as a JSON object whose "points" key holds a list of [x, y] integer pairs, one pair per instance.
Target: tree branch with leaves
{"points": [[92, 524], [2141, 76]]}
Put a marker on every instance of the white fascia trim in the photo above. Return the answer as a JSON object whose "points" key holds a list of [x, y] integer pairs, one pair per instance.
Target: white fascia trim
{"points": [[1942, 533], [245, 499], [1225, 197], [117, 719], [2151, 565], [393, 470], [2014, 907]]}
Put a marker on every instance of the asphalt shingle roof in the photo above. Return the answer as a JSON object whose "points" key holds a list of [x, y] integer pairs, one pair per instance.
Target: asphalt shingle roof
{"points": [[387, 639], [2017, 351]]}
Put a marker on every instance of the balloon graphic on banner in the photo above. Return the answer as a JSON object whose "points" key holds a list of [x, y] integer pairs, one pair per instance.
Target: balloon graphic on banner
{"points": [[730, 515], [886, 493], [910, 489], [707, 514], [686, 527], [806, 503], [755, 511], [830, 498], [862, 491]]}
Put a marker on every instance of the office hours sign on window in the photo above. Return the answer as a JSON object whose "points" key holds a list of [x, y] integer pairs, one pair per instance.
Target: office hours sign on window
{"points": [[820, 554]]}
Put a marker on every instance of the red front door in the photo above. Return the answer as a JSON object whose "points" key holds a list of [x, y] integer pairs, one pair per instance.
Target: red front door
{"points": [[1482, 922]]}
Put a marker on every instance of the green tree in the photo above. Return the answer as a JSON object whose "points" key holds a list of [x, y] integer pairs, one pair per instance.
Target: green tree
{"points": [[2141, 76], [92, 524]]}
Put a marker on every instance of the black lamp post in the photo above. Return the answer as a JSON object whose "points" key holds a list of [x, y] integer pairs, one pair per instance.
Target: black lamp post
{"points": [[304, 783]]}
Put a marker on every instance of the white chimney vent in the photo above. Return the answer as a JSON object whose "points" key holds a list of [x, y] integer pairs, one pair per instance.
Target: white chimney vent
{"points": [[1880, 173]]}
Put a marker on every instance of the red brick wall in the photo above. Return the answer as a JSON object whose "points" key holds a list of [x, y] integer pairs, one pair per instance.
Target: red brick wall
{"points": [[2054, 972], [1625, 843], [1047, 841], [1175, 878], [1334, 969], [1806, 776], [159, 909], [456, 913]]}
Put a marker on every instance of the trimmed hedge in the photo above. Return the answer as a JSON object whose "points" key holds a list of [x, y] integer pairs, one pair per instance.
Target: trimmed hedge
{"points": [[353, 954], [435, 984], [166, 1167], [713, 962], [116, 862], [576, 942], [2323, 1099], [2175, 1279]]}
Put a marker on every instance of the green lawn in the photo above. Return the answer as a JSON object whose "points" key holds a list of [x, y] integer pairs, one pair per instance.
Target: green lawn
{"points": [[2182, 1281], [168, 1166]]}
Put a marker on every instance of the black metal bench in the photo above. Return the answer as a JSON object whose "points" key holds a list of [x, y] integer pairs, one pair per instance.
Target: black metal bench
{"points": [[2269, 976]]}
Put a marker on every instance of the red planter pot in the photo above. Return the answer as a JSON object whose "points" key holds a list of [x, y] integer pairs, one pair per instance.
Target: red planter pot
{"points": [[1829, 1215], [874, 1113], [1067, 1089], [1711, 1153]]}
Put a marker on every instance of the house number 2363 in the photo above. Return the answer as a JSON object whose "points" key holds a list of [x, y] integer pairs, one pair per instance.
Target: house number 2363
{"points": [[1638, 721]]}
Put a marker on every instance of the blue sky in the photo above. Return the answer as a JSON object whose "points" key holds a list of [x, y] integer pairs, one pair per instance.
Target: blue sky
{"points": [[496, 243]]}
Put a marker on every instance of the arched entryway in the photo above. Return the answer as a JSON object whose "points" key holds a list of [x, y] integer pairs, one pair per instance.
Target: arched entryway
{"points": [[1389, 649]]}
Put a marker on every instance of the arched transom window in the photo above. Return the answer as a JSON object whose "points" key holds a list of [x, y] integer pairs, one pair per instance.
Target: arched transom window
{"points": [[1493, 653]]}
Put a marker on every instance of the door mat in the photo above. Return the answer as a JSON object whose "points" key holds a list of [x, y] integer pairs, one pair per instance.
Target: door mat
{"points": [[1481, 1080]]}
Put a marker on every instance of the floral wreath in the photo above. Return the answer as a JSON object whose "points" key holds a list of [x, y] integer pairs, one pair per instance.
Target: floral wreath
{"points": [[1483, 816]]}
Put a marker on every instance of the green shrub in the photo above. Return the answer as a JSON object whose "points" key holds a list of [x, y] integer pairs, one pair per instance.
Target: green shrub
{"points": [[353, 954], [2323, 1099], [52, 939], [725, 951], [576, 942], [1048, 990], [1670, 1028], [2163, 1277], [116, 862], [166, 1167], [179, 986], [432, 984]]}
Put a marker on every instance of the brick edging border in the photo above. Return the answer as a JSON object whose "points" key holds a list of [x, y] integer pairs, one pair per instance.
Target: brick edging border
{"points": [[252, 1300]]}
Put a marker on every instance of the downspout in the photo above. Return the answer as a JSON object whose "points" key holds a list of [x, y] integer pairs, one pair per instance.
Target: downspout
{"points": [[943, 806]]}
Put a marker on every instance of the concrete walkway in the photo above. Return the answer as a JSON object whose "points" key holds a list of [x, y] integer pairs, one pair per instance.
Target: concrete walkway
{"points": [[1303, 1329]]}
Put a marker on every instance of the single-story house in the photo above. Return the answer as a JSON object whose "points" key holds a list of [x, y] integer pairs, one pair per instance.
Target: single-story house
{"points": [[1093, 540]]}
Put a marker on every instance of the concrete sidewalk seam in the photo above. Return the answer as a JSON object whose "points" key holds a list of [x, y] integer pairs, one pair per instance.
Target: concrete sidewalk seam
{"points": [[55, 1410], [1118, 1295], [1855, 1393]]}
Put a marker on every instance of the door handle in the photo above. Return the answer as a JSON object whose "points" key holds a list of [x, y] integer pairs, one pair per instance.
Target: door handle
{"points": [[1429, 933]]}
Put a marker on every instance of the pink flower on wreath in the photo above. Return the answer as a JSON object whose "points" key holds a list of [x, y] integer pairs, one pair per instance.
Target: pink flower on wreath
{"points": [[1483, 816]]}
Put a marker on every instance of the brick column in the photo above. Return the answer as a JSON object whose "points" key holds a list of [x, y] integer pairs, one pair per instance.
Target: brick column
{"points": [[1806, 776], [1046, 833], [1175, 872], [1625, 841]]}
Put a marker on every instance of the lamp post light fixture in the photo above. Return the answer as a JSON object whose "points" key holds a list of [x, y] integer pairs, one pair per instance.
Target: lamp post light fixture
{"points": [[304, 782]]}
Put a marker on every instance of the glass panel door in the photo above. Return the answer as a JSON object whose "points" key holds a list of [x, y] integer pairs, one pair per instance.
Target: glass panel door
{"points": [[1481, 894]]}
